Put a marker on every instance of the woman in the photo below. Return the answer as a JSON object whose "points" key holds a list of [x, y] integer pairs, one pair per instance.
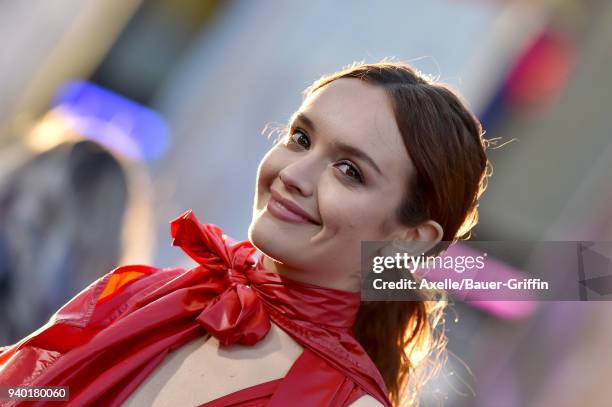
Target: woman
{"points": [[375, 152]]}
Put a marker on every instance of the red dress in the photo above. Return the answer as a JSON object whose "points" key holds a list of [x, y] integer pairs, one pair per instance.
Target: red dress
{"points": [[112, 335]]}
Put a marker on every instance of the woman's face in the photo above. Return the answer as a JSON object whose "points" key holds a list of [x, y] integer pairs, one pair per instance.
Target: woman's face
{"points": [[336, 179]]}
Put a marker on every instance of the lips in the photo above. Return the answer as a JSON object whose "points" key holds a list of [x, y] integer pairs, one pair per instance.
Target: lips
{"points": [[287, 210]]}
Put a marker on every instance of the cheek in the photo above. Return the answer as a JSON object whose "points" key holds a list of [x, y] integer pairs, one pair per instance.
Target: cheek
{"points": [[268, 170], [353, 215], [342, 209]]}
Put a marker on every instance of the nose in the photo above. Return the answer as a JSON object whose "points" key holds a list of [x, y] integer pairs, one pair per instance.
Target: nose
{"points": [[299, 176]]}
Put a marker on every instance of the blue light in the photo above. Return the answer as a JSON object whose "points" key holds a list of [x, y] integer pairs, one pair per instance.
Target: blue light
{"points": [[113, 120]]}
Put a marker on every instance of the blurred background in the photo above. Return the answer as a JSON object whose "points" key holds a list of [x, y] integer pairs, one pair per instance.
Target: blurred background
{"points": [[116, 116]]}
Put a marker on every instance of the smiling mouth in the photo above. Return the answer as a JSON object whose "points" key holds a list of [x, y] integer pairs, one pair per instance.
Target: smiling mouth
{"points": [[280, 211]]}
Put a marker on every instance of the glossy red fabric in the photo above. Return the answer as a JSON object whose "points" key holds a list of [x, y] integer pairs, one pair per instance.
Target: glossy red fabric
{"points": [[112, 335]]}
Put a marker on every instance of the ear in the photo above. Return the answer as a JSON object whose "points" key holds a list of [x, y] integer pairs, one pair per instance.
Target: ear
{"points": [[418, 239], [428, 231]]}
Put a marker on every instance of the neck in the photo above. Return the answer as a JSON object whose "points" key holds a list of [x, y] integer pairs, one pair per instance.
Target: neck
{"points": [[349, 283]]}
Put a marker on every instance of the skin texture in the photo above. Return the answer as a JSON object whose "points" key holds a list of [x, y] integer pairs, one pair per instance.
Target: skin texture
{"points": [[203, 370], [306, 168]]}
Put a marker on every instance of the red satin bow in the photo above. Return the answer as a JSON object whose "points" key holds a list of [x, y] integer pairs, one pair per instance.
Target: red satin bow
{"points": [[235, 315]]}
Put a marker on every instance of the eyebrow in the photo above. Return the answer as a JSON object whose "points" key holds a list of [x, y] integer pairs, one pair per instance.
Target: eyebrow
{"points": [[339, 145]]}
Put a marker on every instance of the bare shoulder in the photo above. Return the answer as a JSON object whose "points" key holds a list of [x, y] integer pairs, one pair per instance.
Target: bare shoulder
{"points": [[366, 401]]}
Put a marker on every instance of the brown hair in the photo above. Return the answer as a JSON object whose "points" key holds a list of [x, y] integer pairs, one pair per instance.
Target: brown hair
{"points": [[445, 143]]}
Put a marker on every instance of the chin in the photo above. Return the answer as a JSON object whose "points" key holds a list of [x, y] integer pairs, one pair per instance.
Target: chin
{"points": [[267, 238], [264, 237]]}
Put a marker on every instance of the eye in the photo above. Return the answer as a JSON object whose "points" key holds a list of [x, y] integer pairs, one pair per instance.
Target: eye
{"points": [[350, 170], [299, 137]]}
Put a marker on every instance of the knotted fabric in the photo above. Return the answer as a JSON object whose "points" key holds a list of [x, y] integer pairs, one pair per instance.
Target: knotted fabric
{"points": [[234, 314], [112, 335]]}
